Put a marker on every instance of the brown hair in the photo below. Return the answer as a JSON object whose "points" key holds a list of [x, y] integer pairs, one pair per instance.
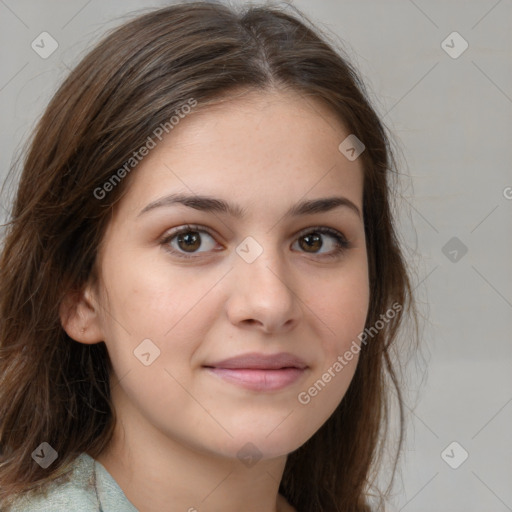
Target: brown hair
{"points": [[56, 390]]}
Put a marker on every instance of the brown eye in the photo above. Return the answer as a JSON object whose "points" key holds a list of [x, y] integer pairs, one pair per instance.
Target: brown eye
{"points": [[312, 242], [189, 241], [186, 241]]}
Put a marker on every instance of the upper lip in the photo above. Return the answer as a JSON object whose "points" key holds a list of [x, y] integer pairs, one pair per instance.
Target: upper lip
{"points": [[257, 361]]}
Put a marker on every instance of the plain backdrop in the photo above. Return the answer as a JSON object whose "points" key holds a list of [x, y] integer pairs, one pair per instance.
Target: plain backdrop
{"points": [[447, 99]]}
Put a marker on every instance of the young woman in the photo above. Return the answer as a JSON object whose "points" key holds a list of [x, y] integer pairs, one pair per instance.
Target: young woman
{"points": [[201, 283]]}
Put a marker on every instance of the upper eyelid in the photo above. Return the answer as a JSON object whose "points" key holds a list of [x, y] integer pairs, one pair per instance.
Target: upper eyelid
{"points": [[197, 227]]}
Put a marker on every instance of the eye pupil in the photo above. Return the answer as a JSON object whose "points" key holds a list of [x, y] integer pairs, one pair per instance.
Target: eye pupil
{"points": [[314, 238], [192, 242]]}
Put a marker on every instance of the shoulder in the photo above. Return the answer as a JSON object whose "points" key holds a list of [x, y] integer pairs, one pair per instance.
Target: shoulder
{"points": [[75, 490]]}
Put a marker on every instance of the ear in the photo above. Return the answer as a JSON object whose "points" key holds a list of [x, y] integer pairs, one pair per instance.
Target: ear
{"points": [[79, 317]]}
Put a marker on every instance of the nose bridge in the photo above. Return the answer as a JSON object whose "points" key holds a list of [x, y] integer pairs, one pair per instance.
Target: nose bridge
{"points": [[261, 257], [263, 292]]}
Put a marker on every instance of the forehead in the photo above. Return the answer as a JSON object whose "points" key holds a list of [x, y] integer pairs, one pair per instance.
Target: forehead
{"points": [[259, 148]]}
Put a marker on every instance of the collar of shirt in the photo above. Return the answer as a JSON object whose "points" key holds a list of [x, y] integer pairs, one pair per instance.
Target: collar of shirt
{"points": [[111, 497]]}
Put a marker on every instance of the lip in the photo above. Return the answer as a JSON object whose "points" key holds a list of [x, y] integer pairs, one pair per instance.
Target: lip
{"points": [[260, 372]]}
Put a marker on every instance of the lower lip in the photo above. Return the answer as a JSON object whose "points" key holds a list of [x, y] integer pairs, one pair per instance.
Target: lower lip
{"points": [[259, 380]]}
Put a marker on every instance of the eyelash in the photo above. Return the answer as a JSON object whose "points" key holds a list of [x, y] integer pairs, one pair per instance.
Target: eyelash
{"points": [[342, 243]]}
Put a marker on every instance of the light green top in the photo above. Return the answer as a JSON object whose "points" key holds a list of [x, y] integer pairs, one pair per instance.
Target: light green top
{"points": [[89, 487]]}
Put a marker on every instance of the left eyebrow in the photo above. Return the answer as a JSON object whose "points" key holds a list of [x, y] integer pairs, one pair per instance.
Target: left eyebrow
{"points": [[213, 204]]}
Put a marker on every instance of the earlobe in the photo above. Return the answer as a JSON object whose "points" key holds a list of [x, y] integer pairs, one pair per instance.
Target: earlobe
{"points": [[79, 317]]}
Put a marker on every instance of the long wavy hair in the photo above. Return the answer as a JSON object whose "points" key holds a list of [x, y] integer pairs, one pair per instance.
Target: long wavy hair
{"points": [[56, 390]]}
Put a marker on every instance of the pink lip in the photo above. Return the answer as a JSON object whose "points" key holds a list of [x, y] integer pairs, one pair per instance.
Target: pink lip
{"points": [[260, 372]]}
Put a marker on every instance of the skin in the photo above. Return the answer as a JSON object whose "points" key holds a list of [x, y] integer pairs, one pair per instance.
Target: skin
{"points": [[179, 427]]}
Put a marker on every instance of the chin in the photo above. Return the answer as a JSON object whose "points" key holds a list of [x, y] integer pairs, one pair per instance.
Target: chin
{"points": [[259, 445]]}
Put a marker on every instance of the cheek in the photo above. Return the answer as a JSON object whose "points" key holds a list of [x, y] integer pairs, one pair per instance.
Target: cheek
{"points": [[149, 296], [150, 300], [341, 308], [344, 307], [347, 318]]}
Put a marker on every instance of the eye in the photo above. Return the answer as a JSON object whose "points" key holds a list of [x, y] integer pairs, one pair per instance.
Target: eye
{"points": [[185, 241], [312, 239]]}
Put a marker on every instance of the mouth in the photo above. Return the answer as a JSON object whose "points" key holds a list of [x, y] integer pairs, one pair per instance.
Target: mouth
{"points": [[260, 372]]}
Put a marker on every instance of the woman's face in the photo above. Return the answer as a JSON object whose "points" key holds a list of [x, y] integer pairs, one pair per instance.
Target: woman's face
{"points": [[171, 308]]}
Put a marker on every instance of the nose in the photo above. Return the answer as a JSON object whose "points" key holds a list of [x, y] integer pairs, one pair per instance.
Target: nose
{"points": [[262, 294]]}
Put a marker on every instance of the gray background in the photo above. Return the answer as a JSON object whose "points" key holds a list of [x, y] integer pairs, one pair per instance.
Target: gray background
{"points": [[451, 119]]}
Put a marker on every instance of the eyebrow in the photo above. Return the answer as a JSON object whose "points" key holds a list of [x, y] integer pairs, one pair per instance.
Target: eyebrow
{"points": [[212, 204]]}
